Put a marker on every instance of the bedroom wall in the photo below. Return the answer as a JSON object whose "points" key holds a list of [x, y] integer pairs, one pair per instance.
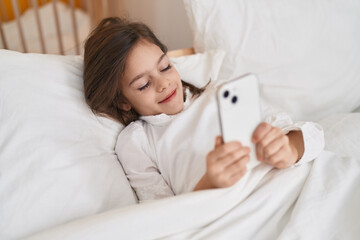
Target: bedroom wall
{"points": [[166, 18]]}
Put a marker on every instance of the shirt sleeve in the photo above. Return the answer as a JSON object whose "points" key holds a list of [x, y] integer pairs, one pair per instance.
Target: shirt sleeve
{"points": [[134, 153], [313, 135]]}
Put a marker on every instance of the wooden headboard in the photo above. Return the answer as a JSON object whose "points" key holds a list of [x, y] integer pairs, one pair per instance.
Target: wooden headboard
{"points": [[7, 9], [181, 52], [11, 13]]}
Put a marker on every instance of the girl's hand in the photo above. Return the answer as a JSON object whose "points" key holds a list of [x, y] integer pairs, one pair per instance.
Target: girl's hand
{"points": [[274, 147], [225, 165]]}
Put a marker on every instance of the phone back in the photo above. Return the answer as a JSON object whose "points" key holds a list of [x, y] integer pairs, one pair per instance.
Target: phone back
{"points": [[239, 111]]}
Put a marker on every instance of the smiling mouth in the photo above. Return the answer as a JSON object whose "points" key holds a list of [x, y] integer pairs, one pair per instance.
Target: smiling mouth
{"points": [[169, 97]]}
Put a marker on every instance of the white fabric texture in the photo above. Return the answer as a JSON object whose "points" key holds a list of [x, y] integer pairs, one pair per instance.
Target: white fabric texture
{"points": [[57, 159], [306, 52], [319, 200], [166, 154], [198, 69], [342, 134]]}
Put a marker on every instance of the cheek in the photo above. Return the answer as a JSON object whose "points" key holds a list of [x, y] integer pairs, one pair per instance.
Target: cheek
{"points": [[134, 98], [143, 99], [176, 78], [176, 74]]}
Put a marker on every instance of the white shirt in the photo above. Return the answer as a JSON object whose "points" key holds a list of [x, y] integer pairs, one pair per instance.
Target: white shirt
{"points": [[165, 155]]}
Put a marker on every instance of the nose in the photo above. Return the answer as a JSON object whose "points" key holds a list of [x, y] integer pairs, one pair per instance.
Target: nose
{"points": [[162, 83]]}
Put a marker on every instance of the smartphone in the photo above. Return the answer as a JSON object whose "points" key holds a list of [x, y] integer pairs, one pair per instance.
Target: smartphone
{"points": [[239, 111]]}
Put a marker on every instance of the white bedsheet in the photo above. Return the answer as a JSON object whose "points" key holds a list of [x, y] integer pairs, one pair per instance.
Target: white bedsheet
{"points": [[319, 200]]}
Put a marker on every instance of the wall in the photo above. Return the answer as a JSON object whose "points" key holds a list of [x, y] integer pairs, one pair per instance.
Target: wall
{"points": [[167, 18]]}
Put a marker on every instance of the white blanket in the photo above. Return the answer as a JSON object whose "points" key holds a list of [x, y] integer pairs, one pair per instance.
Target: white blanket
{"points": [[319, 200]]}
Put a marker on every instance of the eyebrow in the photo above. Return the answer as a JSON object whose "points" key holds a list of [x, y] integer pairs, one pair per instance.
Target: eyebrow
{"points": [[142, 74]]}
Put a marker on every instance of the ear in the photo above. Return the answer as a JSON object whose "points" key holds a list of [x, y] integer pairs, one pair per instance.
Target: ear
{"points": [[125, 106]]}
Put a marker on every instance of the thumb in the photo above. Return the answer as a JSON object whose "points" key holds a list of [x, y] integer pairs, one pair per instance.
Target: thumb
{"points": [[218, 141]]}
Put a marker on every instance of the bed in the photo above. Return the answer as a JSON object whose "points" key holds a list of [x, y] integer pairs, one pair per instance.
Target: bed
{"points": [[60, 177], [50, 26]]}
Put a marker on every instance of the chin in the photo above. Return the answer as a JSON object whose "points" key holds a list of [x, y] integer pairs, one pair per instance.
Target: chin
{"points": [[176, 110]]}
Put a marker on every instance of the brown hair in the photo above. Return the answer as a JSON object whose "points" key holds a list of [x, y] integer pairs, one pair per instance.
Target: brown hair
{"points": [[106, 51]]}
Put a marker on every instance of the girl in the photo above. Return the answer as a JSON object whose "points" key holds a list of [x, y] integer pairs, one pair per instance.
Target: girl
{"points": [[167, 145]]}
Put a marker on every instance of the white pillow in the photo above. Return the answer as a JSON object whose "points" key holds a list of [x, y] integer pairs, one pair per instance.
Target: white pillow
{"points": [[342, 134], [57, 159], [306, 53], [199, 68]]}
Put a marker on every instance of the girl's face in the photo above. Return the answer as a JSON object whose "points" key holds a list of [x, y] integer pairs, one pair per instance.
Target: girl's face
{"points": [[151, 85]]}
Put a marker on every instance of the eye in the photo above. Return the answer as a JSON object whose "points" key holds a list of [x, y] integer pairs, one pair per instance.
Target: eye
{"points": [[167, 68], [145, 86]]}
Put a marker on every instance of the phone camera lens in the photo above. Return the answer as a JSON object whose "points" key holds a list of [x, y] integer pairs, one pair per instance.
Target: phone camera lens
{"points": [[234, 99], [226, 94]]}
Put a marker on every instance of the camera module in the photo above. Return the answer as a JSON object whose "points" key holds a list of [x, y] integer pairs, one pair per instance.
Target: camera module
{"points": [[234, 99]]}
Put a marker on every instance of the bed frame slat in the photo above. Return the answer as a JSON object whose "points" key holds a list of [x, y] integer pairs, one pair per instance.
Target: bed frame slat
{"points": [[73, 20], [58, 30], [180, 52], [3, 10], [41, 35], [18, 22], [90, 11], [3, 39]]}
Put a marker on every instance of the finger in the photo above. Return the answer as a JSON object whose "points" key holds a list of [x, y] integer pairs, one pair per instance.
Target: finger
{"points": [[235, 171], [239, 167], [276, 158], [260, 131], [259, 152], [238, 175], [218, 141], [234, 157], [226, 148], [281, 159], [270, 136], [274, 146]]}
